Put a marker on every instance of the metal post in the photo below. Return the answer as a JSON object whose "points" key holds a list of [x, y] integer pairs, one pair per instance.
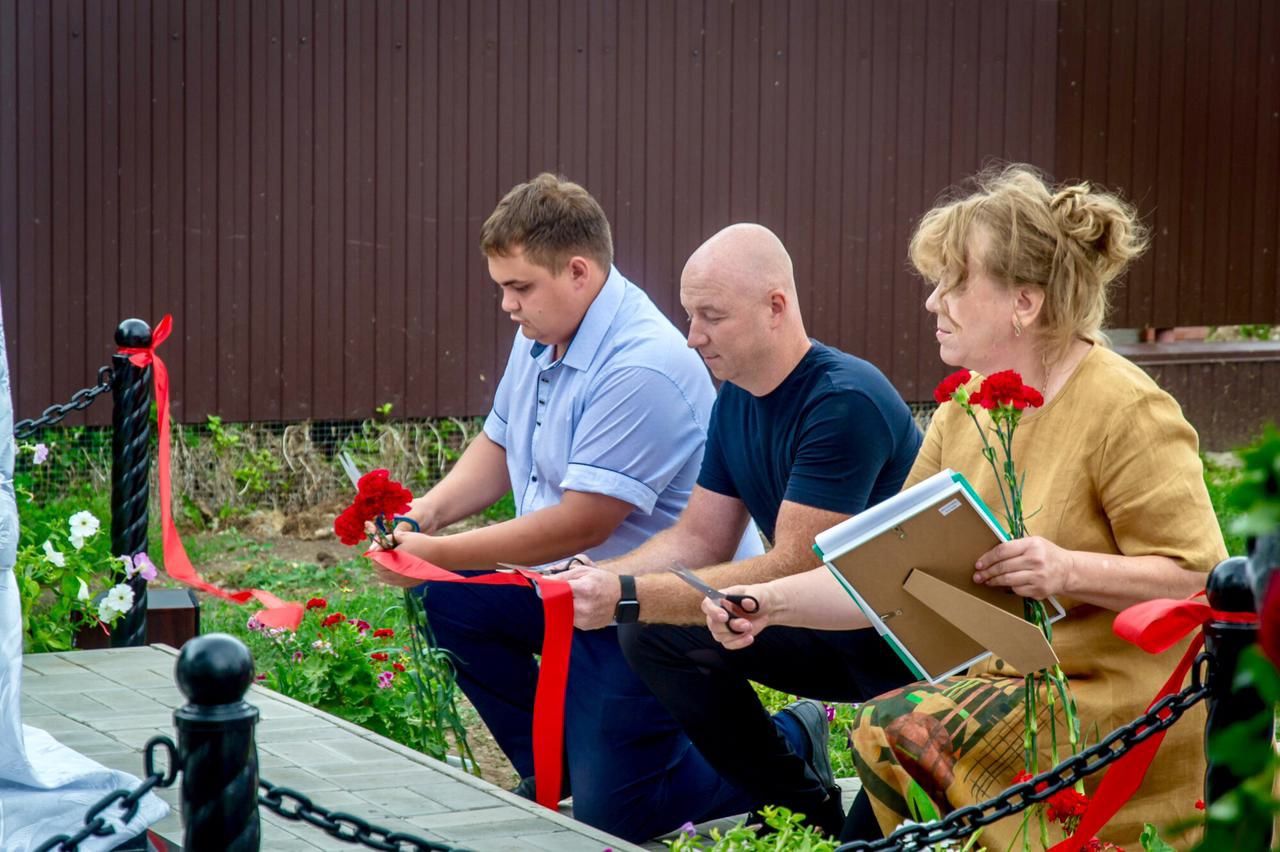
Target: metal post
{"points": [[216, 746], [1229, 590], [130, 468]]}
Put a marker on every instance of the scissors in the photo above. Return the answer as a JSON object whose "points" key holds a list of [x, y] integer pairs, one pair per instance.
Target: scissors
{"points": [[353, 474], [716, 596], [545, 570]]}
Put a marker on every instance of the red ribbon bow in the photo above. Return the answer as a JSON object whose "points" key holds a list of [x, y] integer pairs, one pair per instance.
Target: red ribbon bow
{"points": [[1155, 627], [553, 674], [177, 565]]}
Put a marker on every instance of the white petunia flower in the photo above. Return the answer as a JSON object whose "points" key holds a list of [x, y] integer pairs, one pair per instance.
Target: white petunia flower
{"points": [[84, 524], [54, 556], [83, 594], [117, 602], [76, 541]]}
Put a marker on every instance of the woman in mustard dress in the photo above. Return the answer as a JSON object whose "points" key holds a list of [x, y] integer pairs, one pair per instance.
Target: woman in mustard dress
{"points": [[1117, 512]]}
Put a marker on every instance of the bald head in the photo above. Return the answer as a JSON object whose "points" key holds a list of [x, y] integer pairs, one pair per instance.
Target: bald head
{"points": [[746, 258], [739, 291]]}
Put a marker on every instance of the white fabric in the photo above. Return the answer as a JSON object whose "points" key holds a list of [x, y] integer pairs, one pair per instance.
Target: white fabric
{"points": [[45, 787]]}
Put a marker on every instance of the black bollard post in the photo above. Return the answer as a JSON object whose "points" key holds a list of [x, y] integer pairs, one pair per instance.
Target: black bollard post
{"points": [[130, 468], [1229, 590], [216, 746]]}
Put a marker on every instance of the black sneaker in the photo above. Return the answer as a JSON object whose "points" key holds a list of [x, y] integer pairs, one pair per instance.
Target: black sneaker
{"points": [[528, 788], [812, 717]]}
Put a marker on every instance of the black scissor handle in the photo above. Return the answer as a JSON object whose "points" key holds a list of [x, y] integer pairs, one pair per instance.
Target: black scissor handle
{"points": [[740, 601]]}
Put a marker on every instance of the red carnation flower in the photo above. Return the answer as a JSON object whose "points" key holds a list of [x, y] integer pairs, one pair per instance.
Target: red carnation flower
{"points": [[383, 631], [349, 526], [1024, 775], [1199, 804], [332, 619], [398, 666], [360, 625], [1006, 388], [942, 393], [1066, 806], [379, 656], [317, 603]]}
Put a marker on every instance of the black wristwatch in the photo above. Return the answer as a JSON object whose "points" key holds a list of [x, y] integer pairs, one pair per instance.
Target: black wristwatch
{"points": [[628, 609]]}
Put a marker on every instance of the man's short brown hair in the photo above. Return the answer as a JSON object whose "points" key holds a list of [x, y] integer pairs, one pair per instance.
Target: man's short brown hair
{"points": [[552, 219]]}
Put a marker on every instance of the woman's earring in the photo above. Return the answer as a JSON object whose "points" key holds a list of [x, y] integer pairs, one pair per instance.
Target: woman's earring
{"points": [[1017, 326]]}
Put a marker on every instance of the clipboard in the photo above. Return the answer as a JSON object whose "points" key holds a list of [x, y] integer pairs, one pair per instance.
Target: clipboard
{"points": [[908, 565]]}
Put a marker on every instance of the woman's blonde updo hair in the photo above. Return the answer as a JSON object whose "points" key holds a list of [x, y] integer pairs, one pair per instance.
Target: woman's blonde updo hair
{"points": [[1072, 241]]}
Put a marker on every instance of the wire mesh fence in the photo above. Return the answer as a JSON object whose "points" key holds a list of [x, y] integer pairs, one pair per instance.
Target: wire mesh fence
{"points": [[221, 471]]}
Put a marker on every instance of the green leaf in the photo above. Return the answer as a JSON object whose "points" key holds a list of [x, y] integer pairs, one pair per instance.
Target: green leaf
{"points": [[1152, 841]]}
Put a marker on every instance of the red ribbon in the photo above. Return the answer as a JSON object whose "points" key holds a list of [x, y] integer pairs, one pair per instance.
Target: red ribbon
{"points": [[177, 565], [1154, 626], [553, 675]]}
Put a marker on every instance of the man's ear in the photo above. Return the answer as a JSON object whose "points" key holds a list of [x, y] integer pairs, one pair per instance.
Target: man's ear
{"points": [[579, 270], [777, 306]]}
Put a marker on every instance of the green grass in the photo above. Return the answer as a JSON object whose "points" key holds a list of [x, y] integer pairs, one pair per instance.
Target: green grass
{"points": [[1220, 480]]}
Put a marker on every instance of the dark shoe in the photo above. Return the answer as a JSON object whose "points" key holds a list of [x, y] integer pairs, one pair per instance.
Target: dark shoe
{"points": [[528, 788], [812, 717]]}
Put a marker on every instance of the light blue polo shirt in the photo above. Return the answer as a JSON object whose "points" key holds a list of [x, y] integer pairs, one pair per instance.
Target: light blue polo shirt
{"points": [[624, 412]]}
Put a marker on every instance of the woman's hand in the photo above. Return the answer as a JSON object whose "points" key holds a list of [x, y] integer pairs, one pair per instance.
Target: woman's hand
{"points": [[417, 544], [747, 624], [1032, 567]]}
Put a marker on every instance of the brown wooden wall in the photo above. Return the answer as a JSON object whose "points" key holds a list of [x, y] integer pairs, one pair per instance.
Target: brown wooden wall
{"points": [[301, 182]]}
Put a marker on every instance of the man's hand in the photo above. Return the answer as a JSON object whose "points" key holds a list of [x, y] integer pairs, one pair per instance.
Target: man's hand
{"points": [[417, 544], [1033, 567], [746, 625], [596, 593]]}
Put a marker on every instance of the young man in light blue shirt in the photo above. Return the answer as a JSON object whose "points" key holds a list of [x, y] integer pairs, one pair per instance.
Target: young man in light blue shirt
{"points": [[597, 428]]}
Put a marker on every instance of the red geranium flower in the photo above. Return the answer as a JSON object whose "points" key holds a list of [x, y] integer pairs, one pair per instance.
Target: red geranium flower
{"points": [[332, 619], [317, 603], [942, 393], [398, 667], [379, 656], [383, 631]]}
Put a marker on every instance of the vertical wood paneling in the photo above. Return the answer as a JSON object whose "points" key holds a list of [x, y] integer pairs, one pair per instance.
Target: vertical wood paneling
{"points": [[302, 182], [25, 398]]}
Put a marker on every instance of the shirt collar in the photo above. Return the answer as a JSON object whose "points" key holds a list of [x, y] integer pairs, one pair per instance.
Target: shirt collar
{"points": [[595, 324]]}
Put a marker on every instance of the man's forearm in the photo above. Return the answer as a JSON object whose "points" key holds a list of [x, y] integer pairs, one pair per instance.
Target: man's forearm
{"points": [[539, 537], [659, 553], [669, 600], [477, 481]]}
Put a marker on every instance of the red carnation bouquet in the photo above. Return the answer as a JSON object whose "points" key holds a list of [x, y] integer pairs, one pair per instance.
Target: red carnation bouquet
{"points": [[1005, 397], [380, 500]]}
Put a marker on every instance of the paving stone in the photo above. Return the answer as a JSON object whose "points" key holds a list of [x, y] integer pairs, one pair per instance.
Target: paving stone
{"points": [[109, 702], [403, 802]]}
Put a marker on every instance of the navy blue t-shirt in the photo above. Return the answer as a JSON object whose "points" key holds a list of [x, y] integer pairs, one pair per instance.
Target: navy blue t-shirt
{"points": [[834, 435]]}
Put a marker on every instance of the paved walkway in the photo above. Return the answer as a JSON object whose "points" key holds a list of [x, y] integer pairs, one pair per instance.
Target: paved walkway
{"points": [[107, 704]]}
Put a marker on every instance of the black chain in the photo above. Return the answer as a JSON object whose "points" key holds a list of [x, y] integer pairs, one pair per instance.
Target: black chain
{"points": [[95, 825], [80, 400], [965, 821], [291, 804]]}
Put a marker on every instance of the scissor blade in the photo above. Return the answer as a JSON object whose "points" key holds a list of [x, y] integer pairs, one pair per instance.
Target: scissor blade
{"points": [[697, 582], [543, 569], [349, 467]]}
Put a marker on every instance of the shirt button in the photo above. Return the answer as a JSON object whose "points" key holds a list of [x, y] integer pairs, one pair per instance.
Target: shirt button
{"points": [[545, 379], [537, 422], [542, 402], [534, 478]]}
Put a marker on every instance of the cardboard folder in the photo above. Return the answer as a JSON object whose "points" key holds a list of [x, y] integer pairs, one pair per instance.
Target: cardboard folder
{"points": [[909, 566]]}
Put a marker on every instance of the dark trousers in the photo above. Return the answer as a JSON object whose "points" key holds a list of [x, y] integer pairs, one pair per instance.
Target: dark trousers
{"points": [[706, 689], [633, 772]]}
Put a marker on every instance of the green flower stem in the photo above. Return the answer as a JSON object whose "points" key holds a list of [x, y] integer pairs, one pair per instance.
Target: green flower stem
{"points": [[419, 659]]}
